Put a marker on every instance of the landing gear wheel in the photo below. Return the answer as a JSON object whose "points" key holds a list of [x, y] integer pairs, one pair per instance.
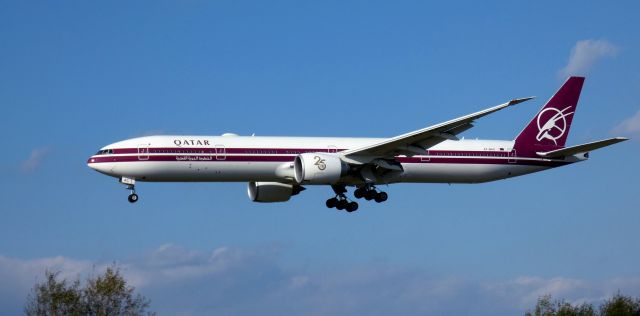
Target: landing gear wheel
{"points": [[370, 195], [332, 202], [342, 204], [381, 197], [133, 198]]}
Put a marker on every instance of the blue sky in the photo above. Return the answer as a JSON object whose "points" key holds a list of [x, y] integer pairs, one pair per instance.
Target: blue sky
{"points": [[75, 76]]}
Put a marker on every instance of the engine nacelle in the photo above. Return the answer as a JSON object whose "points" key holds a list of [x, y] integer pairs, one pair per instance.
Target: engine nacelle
{"points": [[319, 168], [272, 191]]}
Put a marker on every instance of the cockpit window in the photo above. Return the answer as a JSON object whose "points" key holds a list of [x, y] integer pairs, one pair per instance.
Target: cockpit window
{"points": [[105, 152]]}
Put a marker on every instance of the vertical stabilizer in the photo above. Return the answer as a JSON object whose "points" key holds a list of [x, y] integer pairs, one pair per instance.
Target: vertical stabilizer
{"points": [[549, 129]]}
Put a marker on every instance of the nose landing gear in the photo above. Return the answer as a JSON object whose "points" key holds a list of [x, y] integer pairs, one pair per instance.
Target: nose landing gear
{"points": [[133, 198], [131, 186]]}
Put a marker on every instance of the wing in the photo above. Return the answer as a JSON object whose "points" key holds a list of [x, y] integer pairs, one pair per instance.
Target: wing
{"points": [[416, 142]]}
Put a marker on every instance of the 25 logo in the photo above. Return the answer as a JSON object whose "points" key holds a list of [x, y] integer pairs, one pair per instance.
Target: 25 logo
{"points": [[320, 163]]}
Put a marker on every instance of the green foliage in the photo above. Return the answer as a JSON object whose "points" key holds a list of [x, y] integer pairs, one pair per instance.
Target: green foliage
{"points": [[53, 297], [618, 305], [106, 294], [547, 307]]}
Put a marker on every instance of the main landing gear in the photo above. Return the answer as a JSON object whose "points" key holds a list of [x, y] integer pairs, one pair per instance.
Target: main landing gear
{"points": [[369, 192], [131, 186], [340, 201]]}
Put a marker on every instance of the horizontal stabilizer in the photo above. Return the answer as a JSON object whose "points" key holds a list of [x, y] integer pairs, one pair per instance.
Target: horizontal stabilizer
{"points": [[581, 148]]}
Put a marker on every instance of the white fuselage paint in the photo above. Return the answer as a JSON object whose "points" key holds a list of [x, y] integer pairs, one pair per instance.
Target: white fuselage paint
{"points": [[215, 159]]}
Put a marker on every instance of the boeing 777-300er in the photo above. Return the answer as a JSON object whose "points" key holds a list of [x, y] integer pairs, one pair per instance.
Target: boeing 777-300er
{"points": [[277, 168]]}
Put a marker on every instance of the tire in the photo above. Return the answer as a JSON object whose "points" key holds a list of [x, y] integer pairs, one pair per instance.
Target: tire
{"points": [[332, 202], [352, 207], [342, 204], [133, 198], [370, 195], [381, 197], [358, 193]]}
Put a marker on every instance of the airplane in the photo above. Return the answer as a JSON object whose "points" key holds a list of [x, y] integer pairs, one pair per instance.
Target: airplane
{"points": [[277, 168]]}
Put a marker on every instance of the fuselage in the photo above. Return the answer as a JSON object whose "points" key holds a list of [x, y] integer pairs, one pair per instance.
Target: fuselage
{"points": [[277, 168], [251, 158]]}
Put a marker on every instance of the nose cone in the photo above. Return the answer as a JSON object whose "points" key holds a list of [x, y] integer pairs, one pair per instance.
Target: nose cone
{"points": [[101, 164], [91, 162]]}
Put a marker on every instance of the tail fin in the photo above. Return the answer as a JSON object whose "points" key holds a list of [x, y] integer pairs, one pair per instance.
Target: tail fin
{"points": [[549, 129]]}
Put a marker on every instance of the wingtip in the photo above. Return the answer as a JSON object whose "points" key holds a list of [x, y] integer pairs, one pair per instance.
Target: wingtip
{"points": [[516, 101]]}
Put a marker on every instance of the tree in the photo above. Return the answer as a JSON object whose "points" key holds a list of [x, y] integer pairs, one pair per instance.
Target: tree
{"points": [[547, 307], [53, 297], [618, 305], [105, 294]]}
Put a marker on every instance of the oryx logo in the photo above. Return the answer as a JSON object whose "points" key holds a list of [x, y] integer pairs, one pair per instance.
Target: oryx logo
{"points": [[552, 124], [320, 163]]}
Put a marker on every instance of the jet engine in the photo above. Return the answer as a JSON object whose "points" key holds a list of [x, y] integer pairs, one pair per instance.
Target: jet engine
{"points": [[272, 191], [319, 168]]}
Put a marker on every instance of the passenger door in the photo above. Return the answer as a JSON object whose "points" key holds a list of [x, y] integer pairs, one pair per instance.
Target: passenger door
{"points": [[221, 153], [143, 152], [512, 156], [426, 157]]}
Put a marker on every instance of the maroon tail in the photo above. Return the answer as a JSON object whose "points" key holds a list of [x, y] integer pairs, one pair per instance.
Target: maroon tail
{"points": [[549, 129]]}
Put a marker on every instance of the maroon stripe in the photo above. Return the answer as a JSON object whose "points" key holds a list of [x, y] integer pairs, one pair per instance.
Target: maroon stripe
{"points": [[190, 158], [282, 158], [211, 150], [292, 151], [482, 161]]}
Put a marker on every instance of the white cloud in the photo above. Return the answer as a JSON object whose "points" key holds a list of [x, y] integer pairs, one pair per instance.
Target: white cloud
{"points": [[585, 54], [525, 291], [34, 160], [629, 127], [233, 281]]}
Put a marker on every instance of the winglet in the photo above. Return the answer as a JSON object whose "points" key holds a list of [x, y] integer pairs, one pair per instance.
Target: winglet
{"points": [[516, 101]]}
